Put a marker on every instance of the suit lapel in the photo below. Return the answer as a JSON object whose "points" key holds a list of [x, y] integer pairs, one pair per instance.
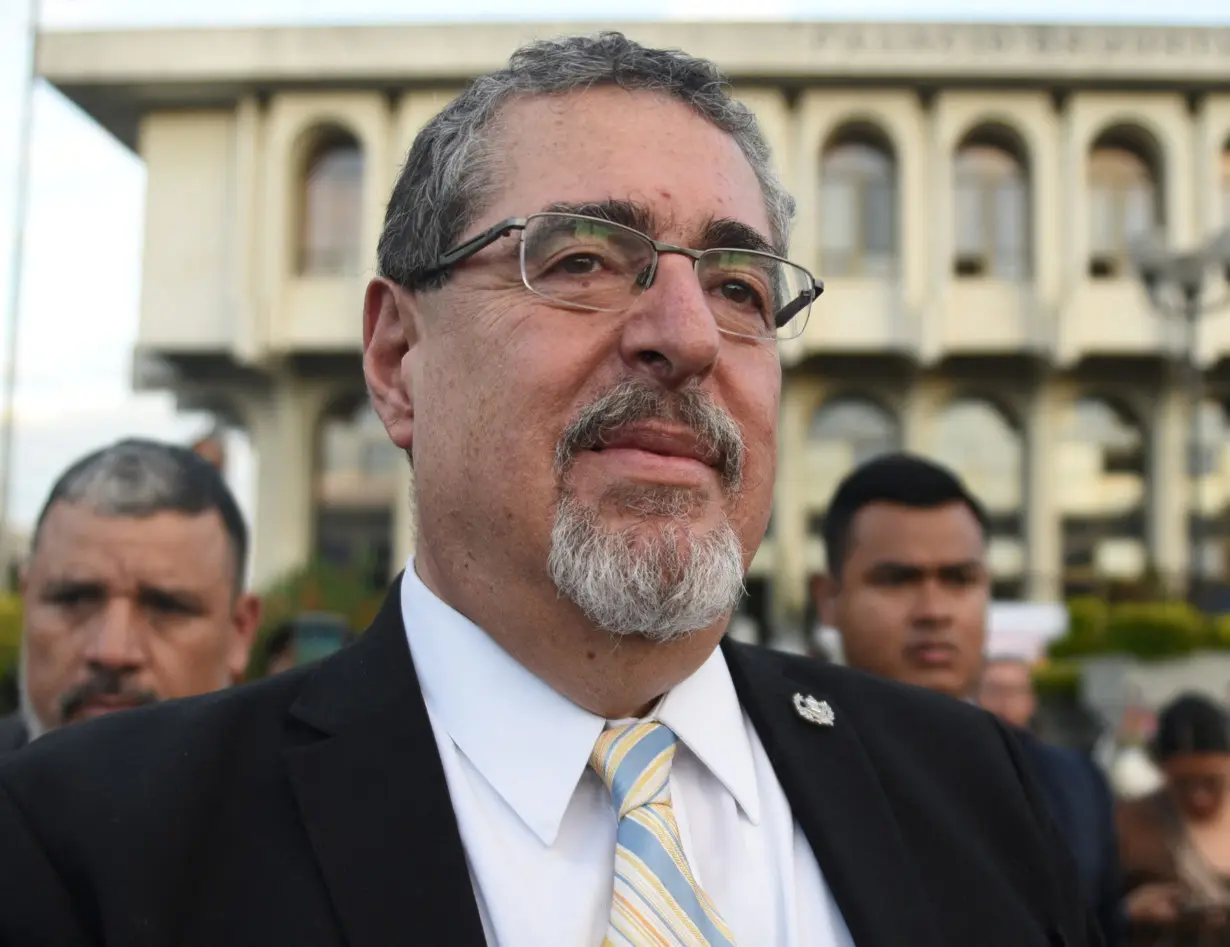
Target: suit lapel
{"points": [[372, 794], [837, 800]]}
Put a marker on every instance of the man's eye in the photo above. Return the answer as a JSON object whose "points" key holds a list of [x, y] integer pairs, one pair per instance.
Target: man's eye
{"points": [[578, 264], [69, 598], [740, 293], [166, 605]]}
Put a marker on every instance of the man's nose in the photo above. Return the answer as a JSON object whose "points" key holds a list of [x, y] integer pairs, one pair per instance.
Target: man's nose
{"points": [[670, 333], [933, 604], [114, 637]]}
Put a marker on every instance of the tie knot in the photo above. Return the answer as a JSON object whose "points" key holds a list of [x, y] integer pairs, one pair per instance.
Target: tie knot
{"points": [[635, 763]]}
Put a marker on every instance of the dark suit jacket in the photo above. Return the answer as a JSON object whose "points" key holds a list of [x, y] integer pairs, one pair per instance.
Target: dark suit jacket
{"points": [[311, 809], [1083, 807], [12, 733]]}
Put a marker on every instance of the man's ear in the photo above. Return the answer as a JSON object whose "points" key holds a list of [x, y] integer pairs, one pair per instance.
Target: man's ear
{"points": [[246, 621], [824, 594], [389, 332]]}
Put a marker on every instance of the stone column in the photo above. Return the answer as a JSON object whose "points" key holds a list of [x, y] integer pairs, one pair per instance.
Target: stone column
{"points": [[247, 289], [1168, 484], [1050, 184], [1042, 513], [282, 422], [789, 513], [918, 413], [936, 248]]}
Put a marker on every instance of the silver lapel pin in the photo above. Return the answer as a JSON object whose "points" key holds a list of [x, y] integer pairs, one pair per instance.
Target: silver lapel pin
{"points": [[813, 711]]}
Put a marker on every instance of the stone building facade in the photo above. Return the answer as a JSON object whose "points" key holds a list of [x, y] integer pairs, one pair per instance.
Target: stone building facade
{"points": [[968, 192]]}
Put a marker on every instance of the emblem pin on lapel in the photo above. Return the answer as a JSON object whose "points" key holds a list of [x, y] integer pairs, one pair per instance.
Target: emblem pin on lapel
{"points": [[813, 711]]}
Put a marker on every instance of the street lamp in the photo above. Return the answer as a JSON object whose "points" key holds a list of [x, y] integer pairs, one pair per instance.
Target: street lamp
{"points": [[1177, 284]]}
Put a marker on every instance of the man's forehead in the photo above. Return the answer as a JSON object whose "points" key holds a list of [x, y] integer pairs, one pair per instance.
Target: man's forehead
{"points": [[608, 143], [74, 536], [942, 535]]}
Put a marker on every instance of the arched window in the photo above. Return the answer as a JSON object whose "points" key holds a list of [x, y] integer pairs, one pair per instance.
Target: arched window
{"points": [[981, 445], [356, 488], [858, 207], [861, 427], [976, 440], [844, 432], [331, 231], [991, 212], [1101, 480], [1125, 200]]}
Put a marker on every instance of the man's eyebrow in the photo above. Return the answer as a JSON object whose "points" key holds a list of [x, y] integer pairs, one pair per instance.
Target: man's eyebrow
{"points": [[185, 598], [628, 213], [914, 568], [894, 565], [726, 232], [62, 585]]}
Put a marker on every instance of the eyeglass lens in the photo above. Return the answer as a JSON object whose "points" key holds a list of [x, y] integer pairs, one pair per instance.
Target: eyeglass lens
{"points": [[593, 264]]}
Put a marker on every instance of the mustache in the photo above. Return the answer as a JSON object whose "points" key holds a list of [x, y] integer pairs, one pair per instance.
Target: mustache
{"points": [[635, 399], [104, 682]]}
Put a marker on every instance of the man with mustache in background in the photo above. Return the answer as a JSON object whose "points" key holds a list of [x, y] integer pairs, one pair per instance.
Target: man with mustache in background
{"points": [[133, 592], [543, 740]]}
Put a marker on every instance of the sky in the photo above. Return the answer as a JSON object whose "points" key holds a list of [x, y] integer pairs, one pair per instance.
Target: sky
{"points": [[78, 306]]}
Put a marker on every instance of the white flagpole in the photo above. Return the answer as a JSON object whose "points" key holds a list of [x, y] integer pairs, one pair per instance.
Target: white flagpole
{"points": [[25, 122]]}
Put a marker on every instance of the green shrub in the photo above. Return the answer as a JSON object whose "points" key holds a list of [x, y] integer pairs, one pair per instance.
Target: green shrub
{"points": [[317, 587], [1058, 679], [1087, 622], [10, 647], [1155, 630], [1218, 634], [1150, 630]]}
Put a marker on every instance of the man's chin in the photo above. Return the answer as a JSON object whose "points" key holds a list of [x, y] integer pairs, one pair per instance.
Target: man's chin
{"points": [[91, 711], [948, 681], [660, 532]]}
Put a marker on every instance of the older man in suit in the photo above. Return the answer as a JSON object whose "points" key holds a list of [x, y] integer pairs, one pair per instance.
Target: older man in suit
{"points": [[542, 739]]}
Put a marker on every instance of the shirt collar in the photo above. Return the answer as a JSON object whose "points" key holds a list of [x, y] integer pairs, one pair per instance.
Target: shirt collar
{"points": [[530, 742], [705, 714]]}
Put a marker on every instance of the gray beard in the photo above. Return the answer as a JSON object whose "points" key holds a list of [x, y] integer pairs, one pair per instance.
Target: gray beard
{"points": [[663, 586]]}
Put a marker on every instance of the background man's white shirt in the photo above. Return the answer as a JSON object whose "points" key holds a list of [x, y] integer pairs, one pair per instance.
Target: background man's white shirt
{"points": [[537, 823]]}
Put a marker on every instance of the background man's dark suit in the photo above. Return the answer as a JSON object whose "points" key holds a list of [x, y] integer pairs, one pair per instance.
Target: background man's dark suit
{"points": [[311, 809], [13, 734], [1083, 807]]}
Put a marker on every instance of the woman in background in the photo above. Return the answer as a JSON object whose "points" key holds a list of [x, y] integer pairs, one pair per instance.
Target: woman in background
{"points": [[1175, 843]]}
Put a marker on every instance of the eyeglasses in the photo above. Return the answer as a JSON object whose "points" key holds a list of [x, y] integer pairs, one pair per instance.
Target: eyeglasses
{"points": [[593, 264]]}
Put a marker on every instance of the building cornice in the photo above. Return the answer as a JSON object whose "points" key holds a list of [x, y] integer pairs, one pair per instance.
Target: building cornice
{"points": [[745, 50], [127, 70]]}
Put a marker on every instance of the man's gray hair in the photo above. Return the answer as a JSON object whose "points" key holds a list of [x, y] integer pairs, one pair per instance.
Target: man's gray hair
{"points": [[449, 173], [138, 478]]}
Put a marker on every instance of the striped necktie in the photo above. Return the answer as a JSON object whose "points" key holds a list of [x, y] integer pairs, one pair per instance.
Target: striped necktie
{"points": [[656, 901]]}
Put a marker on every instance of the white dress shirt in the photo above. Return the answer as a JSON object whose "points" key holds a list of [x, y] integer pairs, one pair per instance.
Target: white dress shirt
{"points": [[537, 822]]}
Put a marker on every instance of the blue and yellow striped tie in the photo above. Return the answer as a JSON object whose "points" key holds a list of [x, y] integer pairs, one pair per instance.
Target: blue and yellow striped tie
{"points": [[656, 902]]}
